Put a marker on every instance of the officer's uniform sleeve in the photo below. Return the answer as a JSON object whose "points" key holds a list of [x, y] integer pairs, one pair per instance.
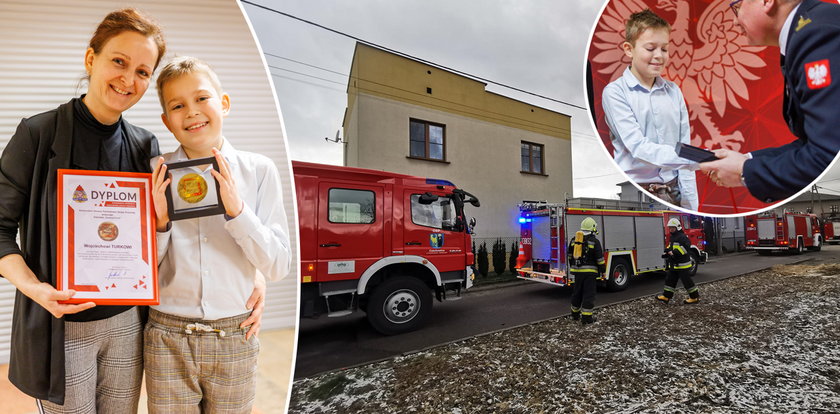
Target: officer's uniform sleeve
{"points": [[778, 173]]}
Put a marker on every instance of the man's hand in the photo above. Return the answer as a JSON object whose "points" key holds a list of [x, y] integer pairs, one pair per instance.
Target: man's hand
{"points": [[256, 303], [725, 172], [227, 187], [159, 183]]}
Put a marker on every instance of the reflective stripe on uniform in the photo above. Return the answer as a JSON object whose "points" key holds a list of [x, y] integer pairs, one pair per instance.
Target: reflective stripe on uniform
{"points": [[582, 270], [679, 248], [601, 261], [692, 290], [575, 310], [585, 313], [669, 289], [683, 266]]}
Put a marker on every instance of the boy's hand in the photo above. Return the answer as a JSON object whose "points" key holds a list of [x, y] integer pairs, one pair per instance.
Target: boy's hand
{"points": [[159, 183], [227, 187], [257, 303]]}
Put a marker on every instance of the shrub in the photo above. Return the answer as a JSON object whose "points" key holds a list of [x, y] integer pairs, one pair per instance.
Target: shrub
{"points": [[481, 260], [499, 256], [514, 254]]}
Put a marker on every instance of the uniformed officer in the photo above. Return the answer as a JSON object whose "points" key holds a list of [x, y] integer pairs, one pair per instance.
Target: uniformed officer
{"points": [[679, 265], [586, 264], [808, 35]]}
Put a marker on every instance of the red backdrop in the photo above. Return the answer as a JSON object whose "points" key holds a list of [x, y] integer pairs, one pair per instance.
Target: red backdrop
{"points": [[733, 91]]}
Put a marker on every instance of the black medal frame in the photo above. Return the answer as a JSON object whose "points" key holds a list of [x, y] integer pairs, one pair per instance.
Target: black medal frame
{"points": [[187, 213]]}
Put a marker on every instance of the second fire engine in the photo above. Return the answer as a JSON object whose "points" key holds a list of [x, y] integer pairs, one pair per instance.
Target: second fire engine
{"points": [[633, 241]]}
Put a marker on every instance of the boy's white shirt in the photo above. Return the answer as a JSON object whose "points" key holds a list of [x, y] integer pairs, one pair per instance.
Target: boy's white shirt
{"points": [[207, 265], [645, 133]]}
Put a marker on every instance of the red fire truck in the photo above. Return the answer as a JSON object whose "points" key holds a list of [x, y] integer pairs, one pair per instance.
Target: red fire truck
{"points": [[633, 241], [789, 231], [380, 242], [831, 229]]}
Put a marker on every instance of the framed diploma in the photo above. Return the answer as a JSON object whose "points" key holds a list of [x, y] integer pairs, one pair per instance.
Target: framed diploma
{"points": [[107, 251], [193, 192]]}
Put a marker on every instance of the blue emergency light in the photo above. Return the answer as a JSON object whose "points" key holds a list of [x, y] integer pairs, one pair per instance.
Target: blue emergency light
{"points": [[522, 220], [435, 181]]}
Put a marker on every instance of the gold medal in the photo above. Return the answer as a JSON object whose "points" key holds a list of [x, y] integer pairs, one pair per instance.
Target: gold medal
{"points": [[108, 231], [192, 188]]}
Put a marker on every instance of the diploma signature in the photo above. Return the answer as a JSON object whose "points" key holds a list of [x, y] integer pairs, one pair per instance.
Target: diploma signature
{"points": [[116, 274]]}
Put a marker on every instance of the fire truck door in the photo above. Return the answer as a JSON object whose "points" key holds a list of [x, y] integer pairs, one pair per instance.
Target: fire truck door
{"points": [[350, 229], [431, 231]]}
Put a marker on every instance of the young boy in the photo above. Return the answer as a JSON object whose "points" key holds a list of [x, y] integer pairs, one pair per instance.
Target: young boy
{"points": [[647, 115], [197, 358]]}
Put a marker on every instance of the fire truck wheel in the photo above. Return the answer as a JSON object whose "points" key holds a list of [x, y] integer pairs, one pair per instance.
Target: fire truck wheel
{"points": [[619, 276], [817, 245], [695, 259], [400, 304], [799, 249]]}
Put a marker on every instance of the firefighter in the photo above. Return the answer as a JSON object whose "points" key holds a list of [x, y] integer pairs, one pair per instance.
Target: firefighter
{"points": [[679, 265], [586, 264]]}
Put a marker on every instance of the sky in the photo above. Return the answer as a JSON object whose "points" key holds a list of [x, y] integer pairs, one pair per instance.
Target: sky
{"points": [[536, 45]]}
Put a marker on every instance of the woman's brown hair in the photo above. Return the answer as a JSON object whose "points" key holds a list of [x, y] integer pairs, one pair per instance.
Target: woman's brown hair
{"points": [[128, 19]]}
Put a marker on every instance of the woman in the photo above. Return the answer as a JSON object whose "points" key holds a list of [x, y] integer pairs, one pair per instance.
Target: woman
{"points": [[76, 358]]}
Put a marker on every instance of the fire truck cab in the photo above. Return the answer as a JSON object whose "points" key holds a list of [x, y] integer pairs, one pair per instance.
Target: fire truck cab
{"points": [[380, 242], [789, 231]]}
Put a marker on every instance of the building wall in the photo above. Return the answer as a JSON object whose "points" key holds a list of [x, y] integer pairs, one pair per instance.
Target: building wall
{"points": [[483, 134], [631, 193], [42, 51], [731, 233], [483, 158]]}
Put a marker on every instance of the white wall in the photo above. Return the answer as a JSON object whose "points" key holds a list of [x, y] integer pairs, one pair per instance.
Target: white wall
{"points": [[41, 52]]}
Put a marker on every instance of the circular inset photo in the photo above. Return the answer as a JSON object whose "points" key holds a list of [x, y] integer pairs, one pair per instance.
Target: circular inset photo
{"points": [[690, 101], [192, 188], [108, 231]]}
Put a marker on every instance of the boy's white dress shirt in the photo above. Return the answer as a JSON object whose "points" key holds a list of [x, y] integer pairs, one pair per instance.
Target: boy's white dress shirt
{"points": [[645, 127], [207, 265]]}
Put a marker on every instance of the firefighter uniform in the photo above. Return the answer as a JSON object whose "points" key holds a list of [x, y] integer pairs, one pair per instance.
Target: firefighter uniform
{"points": [[586, 269], [811, 69], [679, 265]]}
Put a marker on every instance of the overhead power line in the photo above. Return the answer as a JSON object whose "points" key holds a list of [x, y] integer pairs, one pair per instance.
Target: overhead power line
{"points": [[406, 55], [306, 74], [305, 64]]}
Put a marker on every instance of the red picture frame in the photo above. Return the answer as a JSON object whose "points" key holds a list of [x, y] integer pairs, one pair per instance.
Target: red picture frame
{"points": [[127, 198]]}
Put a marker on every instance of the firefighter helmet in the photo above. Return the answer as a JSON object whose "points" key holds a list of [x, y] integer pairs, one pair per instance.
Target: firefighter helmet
{"points": [[588, 224], [675, 223]]}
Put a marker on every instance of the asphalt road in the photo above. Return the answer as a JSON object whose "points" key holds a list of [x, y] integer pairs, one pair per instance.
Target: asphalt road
{"points": [[328, 344]]}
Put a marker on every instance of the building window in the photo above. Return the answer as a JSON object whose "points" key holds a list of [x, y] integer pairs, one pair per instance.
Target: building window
{"points": [[351, 206], [427, 140], [532, 158]]}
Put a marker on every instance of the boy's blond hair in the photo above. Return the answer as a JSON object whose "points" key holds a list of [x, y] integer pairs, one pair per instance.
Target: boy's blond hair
{"points": [[185, 65], [641, 21]]}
